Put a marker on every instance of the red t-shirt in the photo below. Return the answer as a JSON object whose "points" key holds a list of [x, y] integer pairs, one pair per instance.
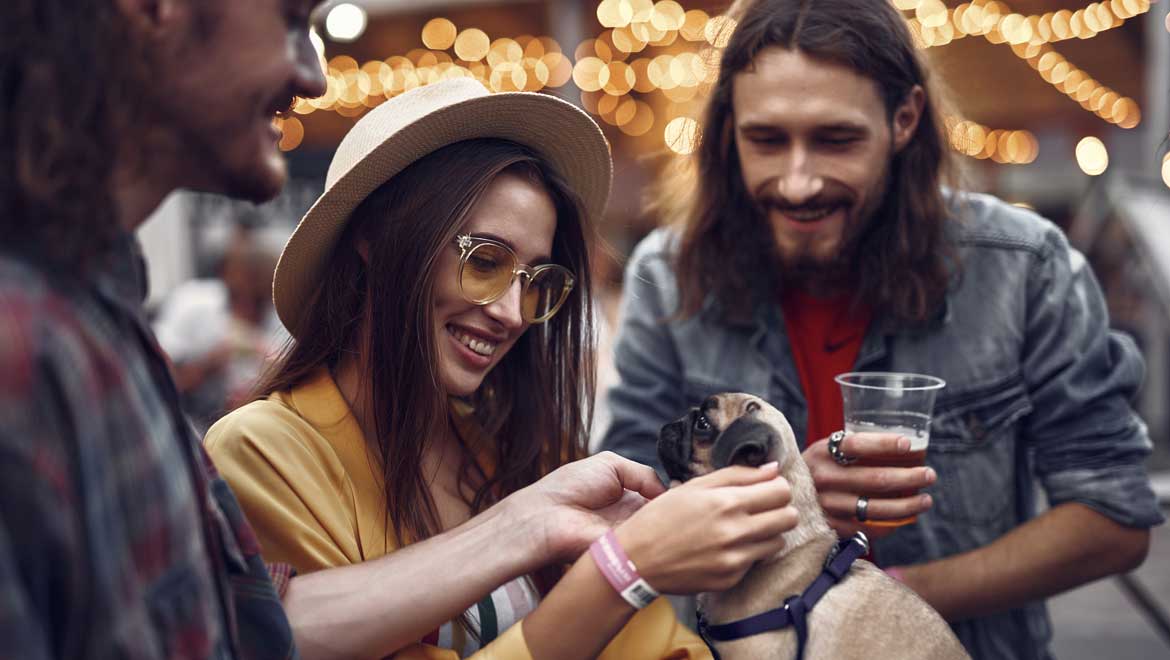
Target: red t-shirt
{"points": [[825, 336]]}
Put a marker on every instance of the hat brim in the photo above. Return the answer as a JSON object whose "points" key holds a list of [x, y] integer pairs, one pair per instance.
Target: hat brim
{"points": [[557, 130]]}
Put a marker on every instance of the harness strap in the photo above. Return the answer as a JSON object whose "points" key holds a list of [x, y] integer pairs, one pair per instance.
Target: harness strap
{"points": [[795, 610]]}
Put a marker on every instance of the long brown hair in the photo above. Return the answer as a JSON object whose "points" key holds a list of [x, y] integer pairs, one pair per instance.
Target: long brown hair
{"points": [[534, 405], [68, 74], [903, 264]]}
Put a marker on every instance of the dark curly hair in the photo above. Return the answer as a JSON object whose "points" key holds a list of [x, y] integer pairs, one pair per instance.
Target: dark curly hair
{"points": [[67, 69]]}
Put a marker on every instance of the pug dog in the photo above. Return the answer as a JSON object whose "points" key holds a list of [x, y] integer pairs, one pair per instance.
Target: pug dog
{"points": [[865, 615]]}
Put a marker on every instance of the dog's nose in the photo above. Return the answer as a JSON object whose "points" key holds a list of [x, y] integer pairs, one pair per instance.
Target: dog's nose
{"points": [[748, 441]]}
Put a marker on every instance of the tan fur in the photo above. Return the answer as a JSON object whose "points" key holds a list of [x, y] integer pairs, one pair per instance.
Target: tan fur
{"points": [[868, 615]]}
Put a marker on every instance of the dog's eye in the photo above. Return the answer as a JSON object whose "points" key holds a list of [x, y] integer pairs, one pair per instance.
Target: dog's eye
{"points": [[753, 406], [701, 423]]}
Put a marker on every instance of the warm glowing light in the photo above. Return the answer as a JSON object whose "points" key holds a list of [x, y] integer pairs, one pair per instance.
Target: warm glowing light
{"points": [[932, 13], [642, 121], [625, 41], [718, 31], [694, 22], [292, 132], [591, 74], [504, 50], [658, 72], [643, 10], [560, 69], [472, 45], [345, 22], [614, 13], [1092, 157], [621, 79], [668, 15], [681, 135], [1166, 167], [439, 34], [508, 77], [642, 83], [343, 63]]}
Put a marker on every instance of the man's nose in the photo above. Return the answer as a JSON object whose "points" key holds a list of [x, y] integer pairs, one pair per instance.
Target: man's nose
{"points": [[506, 309], [798, 183], [309, 79]]}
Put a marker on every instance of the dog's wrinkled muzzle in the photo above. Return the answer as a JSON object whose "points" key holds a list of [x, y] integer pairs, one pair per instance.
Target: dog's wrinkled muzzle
{"points": [[674, 449], [748, 441]]}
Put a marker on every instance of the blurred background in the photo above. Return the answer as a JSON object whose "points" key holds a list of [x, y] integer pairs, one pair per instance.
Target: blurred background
{"points": [[1059, 105]]}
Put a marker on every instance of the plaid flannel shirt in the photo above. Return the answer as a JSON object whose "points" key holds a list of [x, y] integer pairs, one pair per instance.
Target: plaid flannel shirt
{"points": [[117, 537]]}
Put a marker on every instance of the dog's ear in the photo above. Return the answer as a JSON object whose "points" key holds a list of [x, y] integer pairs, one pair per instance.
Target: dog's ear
{"points": [[674, 448]]}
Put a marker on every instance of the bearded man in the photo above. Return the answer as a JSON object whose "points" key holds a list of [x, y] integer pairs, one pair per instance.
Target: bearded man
{"points": [[812, 234]]}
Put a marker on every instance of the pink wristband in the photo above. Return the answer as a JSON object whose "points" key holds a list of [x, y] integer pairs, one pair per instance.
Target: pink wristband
{"points": [[621, 573], [896, 573]]}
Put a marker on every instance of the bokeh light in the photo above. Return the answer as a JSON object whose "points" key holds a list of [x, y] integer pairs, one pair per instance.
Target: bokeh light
{"points": [[472, 45], [1092, 156], [345, 22], [292, 133], [614, 13], [668, 15], [682, 135], [642, 121], [439, 34], [591, 74], [645, 48], [718, 31]]}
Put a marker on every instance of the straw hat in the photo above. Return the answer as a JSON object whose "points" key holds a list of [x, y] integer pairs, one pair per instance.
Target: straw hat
{"points": [[406, 128]]}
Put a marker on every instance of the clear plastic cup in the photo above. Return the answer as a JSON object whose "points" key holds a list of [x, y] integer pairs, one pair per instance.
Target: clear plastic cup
{"points": [[887, 402]]}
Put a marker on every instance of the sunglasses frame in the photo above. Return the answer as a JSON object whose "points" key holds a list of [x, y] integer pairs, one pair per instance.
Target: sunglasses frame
{"points": [[467, 243]]}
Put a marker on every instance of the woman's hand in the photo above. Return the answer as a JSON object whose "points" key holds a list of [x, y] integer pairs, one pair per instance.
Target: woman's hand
{"points": [[573, 505], [705, 534]]}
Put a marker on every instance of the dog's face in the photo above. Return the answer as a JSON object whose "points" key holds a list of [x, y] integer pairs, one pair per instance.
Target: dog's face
{"points": [[727, 429]]}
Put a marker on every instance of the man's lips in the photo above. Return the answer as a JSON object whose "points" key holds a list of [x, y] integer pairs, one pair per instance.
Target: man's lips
{"points": [[807, 214]]}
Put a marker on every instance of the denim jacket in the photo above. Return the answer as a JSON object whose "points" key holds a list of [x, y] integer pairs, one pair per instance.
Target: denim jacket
{"points": [[1037, 394]]}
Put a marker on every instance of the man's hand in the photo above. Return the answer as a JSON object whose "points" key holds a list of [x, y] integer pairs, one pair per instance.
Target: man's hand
{"points": [[573, 505], [839, 486]]}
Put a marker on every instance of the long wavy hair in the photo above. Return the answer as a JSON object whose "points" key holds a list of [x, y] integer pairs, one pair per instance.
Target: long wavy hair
{"points": [[67, 70], [903, 263], [534, 406]]}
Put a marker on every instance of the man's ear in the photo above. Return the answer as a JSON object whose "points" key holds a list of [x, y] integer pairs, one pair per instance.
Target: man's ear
{"points": [[907, 116], [149, 16]]}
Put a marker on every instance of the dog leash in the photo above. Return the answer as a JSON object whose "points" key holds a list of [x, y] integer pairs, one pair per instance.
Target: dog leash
{"points": [[795, 610]]}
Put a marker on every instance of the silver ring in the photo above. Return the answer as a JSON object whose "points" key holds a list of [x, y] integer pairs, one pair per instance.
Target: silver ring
{"points": [[862, 508], [835, 448]]}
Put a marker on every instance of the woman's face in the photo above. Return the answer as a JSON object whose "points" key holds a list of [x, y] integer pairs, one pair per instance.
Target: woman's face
{"points": [[472, 339]]}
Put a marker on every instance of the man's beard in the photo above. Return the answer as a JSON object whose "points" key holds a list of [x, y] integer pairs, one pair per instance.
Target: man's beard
{"points": [[802, 267]]}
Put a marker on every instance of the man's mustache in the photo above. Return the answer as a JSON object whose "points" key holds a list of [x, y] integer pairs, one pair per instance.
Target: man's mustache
{"points": [[769, 199]]}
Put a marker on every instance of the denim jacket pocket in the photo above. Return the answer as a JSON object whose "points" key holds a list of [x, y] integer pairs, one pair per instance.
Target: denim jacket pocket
{"points": [[973, 449]]}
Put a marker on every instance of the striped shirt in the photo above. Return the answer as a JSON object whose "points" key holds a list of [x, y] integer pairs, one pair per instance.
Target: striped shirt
{"points": [[498, 611]]}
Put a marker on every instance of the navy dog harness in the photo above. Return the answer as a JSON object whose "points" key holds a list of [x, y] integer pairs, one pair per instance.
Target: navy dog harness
{"points": [[795, 610]]}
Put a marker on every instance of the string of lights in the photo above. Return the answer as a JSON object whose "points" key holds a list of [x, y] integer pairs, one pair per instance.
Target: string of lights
{"points": [[661, 48]]}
